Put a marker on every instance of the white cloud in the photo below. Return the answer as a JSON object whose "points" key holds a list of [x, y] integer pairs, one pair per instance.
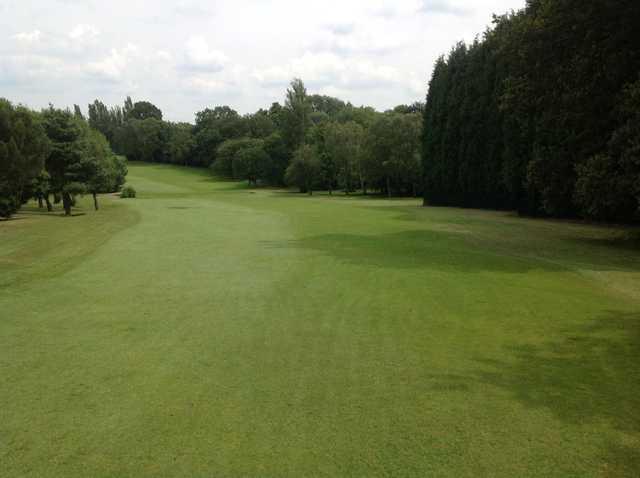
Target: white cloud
{"points": [[164, 56], [200, 57], [191, 9], [28, 37], [360, 42], [327, 69], [83, 32], [186, 54], [395, 8], [445, 7], [114, 65], [205, 84], [21, 70], [341, 28]]}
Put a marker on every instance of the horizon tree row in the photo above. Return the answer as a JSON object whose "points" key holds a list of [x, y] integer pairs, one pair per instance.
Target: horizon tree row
{"points": [[346, 147]]}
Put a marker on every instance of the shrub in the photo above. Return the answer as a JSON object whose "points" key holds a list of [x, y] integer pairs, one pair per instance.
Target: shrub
{"points": [[128, 192]]}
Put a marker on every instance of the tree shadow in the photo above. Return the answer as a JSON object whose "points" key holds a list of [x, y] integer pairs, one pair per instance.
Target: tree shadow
{"points": [[589, 376], [569, 245], [34, 211], [625, 241], [227, 183], [27, 213], [415, 249], [290, 193], [31, 209]]}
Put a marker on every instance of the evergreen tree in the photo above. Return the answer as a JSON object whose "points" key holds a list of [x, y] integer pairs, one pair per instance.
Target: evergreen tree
{"points": [[526, 117], [296, 115]]}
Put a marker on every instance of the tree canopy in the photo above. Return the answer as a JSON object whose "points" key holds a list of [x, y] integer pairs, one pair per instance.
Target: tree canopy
{"points": [[23, 149], [53, 152], [539, 114], [259, 147]]}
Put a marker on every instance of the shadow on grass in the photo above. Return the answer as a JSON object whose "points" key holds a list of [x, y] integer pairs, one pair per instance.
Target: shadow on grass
{"points": [[416, 249], [283, 192], [590, 376], [233, 184], [34, 211], [288, 193], [27, 212], [623, 242]]}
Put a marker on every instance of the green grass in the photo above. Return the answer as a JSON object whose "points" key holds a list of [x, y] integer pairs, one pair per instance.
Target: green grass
{"points": [[204, 329]]}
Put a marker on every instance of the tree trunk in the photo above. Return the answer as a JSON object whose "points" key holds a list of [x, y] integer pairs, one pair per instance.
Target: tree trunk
{"points": [[49, 206], [40, 203], [66, 203], [95, 201]]}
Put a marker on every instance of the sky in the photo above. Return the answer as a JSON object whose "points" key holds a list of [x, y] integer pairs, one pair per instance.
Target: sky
{"points": [[186, 55]]}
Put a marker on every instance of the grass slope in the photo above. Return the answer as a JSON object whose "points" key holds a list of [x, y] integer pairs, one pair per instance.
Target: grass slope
{"points": [[207, 330]]}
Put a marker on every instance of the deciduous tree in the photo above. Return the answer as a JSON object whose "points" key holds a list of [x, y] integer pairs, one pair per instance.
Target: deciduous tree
{"points": [[304, 171]]}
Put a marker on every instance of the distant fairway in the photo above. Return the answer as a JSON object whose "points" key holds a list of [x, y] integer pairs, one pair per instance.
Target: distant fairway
{"points": [[208, 330]]}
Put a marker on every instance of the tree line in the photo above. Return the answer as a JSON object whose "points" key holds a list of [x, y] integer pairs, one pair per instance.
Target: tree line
{"points": [[541, 115], [310, 142], [53, 153]]}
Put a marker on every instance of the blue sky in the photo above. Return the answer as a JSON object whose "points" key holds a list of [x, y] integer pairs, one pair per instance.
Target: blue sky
{"points": [[186, 55]]}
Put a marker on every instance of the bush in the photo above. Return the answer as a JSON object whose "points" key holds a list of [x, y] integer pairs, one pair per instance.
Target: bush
{"points": [[8, 206], [128, 192]]}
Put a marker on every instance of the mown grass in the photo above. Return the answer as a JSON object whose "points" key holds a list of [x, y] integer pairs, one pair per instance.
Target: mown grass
{"points": [[204, 329]]}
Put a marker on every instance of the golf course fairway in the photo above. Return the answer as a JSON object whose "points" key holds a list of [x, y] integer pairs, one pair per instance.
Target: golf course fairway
{"points": [[206, 329]]}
